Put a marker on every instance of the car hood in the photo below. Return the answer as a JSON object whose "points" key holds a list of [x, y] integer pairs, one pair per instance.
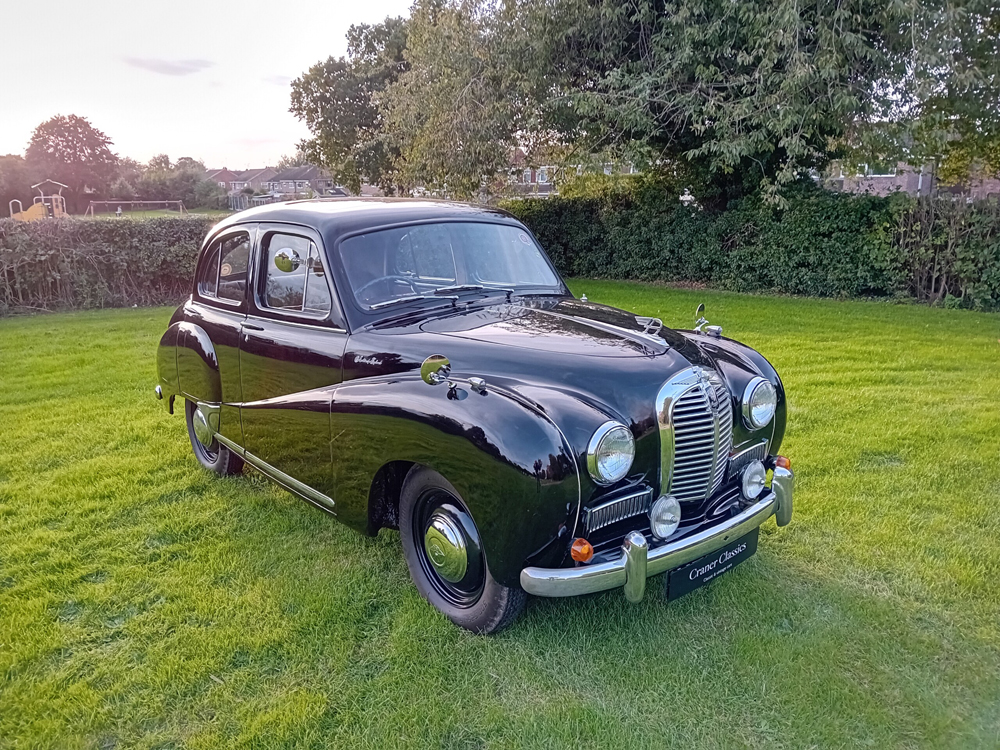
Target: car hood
{"points": [[564, 327]]}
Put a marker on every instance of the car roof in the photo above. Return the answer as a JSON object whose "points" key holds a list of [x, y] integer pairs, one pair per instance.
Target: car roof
{"points": [[334, 217]]}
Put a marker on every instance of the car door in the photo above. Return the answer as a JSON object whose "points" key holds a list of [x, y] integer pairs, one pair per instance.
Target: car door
{"points": [[292, 344], [219, 307]]}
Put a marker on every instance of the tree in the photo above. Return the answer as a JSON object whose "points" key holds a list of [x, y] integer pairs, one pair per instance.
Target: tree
{"points": [[288, 161], [16, 180], [70, 150], [338, 100]]}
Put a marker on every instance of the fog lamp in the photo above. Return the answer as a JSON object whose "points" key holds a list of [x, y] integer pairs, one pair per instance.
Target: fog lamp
{"points": [[754, 477], [665, 516]]}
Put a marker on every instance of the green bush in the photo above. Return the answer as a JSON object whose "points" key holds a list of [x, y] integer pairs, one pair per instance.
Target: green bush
{"points": [[77, 263], [821, 244]]}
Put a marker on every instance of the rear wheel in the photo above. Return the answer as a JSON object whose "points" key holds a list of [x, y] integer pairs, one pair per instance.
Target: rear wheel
{"points": [[207, 449], [445, 556]]}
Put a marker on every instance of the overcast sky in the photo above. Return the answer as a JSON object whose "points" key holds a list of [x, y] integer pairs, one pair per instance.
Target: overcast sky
{"points": [[204, 79]]}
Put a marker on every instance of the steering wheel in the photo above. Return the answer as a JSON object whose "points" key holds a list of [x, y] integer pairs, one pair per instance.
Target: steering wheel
{"points": [[387, 280]]}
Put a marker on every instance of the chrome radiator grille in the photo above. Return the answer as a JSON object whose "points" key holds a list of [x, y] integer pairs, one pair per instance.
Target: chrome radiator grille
{"points": [[696, 433], [617, 510]]}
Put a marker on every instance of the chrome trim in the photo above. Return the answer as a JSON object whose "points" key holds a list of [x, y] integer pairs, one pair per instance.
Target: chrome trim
{"points": [[298, 323], [595, 442], [435, 369], [711, 458], [783, 485], [635, 549], [159, 392], [290, 483], [618, 509], [745, 404], [588, 579], [444, 543], [756, 452], [205, 422]]}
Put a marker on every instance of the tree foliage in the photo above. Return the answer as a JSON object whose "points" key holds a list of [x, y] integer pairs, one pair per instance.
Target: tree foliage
{"points": [[68, 149], [338, 99], [736, 96]]}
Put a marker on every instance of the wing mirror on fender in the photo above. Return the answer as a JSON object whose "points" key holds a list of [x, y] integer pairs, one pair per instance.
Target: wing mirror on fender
{"points": [[435, 369], [287, 261]]}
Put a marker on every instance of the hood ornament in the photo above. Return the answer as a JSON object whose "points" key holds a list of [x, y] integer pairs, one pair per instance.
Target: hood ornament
{"points": [[702, 322], [583, 297]]}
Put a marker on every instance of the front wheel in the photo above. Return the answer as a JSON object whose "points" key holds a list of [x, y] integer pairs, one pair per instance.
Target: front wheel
{"points": [[445, 556], [211, 454]]}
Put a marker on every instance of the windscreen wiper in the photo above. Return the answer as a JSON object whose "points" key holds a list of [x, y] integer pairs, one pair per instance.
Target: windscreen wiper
{"points": [[459, 288], [401, 300]]}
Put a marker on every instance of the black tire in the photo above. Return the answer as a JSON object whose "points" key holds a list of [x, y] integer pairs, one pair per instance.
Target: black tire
{"points": [[476, 602], [215, 457]]}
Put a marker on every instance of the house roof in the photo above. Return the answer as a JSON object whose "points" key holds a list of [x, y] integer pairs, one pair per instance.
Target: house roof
{"points": [[252, 174], [308, 172]]}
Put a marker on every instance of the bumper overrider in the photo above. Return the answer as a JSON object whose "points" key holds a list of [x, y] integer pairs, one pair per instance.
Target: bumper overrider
{"points": [[637, 561]]}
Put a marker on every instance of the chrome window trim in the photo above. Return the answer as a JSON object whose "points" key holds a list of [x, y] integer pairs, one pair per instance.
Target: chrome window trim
{"points": [[311, 326], [222, 237], [261, 304]]}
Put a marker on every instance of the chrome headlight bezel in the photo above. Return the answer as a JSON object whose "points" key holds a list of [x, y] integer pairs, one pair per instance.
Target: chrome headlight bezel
{"points": [[607, 430], [758, 386]]}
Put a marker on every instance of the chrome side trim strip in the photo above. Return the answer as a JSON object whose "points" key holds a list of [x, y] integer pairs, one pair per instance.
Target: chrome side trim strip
{"points": [[588, 579], [290, 483]]}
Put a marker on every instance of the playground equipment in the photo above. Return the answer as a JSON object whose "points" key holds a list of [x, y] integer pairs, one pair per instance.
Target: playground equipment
{"points": [[44, 206]]}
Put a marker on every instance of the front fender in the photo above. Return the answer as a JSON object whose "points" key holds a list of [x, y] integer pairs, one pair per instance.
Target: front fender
{"points": [[739, 363], [510, 463]]}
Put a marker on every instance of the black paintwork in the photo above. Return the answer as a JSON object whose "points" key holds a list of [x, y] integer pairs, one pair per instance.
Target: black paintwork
{"points": [[339, 405]]}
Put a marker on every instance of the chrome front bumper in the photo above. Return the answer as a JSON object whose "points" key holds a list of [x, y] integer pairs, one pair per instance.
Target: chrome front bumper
{"points": [[637, 561]]}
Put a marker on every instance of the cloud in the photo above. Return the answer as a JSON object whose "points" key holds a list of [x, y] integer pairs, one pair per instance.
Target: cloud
{"points": [[169, 67], [278, 80]]}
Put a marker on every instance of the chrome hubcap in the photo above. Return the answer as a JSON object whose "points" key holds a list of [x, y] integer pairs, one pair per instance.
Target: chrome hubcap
{"points": [[446, 548], [202, 430]]}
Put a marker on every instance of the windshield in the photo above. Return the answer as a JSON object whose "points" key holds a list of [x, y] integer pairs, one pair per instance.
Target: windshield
{"points": [[423, 261]]}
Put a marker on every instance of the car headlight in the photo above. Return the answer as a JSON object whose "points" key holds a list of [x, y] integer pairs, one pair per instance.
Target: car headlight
{"points": [[610, 453], [759, 402]]}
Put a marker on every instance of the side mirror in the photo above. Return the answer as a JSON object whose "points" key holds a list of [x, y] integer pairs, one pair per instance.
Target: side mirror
{"points": [[700, 311], [287, 261], [435, 369]]}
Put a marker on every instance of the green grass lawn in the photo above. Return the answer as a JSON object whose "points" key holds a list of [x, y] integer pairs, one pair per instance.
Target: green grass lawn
{"points": [[145, 603]]}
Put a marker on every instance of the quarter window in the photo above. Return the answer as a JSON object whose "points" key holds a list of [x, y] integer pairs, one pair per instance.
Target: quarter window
{"points": [[224, 273], [294, 279]]}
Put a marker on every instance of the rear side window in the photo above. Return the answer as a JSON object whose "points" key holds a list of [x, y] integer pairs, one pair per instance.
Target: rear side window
{"points": [[223, 274], [294, 279]]}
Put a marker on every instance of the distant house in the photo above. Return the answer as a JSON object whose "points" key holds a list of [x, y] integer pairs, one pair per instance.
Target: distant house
{"points": [[299, 181], [255, 179], [886, 179], [222, 177]]}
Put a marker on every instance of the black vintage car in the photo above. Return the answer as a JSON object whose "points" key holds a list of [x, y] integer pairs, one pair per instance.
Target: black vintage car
{"points": [[421, 366]]}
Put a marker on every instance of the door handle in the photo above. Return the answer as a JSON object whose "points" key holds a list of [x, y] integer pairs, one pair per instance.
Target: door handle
{"points": [[252, 327]]}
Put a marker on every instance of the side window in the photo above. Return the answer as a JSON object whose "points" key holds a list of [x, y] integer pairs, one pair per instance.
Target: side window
{"points": [[224, 274], [294, 279], [208, 280], [235, 255]]}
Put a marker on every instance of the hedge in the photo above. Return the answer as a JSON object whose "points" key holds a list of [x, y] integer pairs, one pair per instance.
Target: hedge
{"points": [[79, 263], [822, 244]]}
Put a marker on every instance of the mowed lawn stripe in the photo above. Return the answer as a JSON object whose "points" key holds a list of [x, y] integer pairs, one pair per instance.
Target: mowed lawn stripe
{"points": [[144, 603]]}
